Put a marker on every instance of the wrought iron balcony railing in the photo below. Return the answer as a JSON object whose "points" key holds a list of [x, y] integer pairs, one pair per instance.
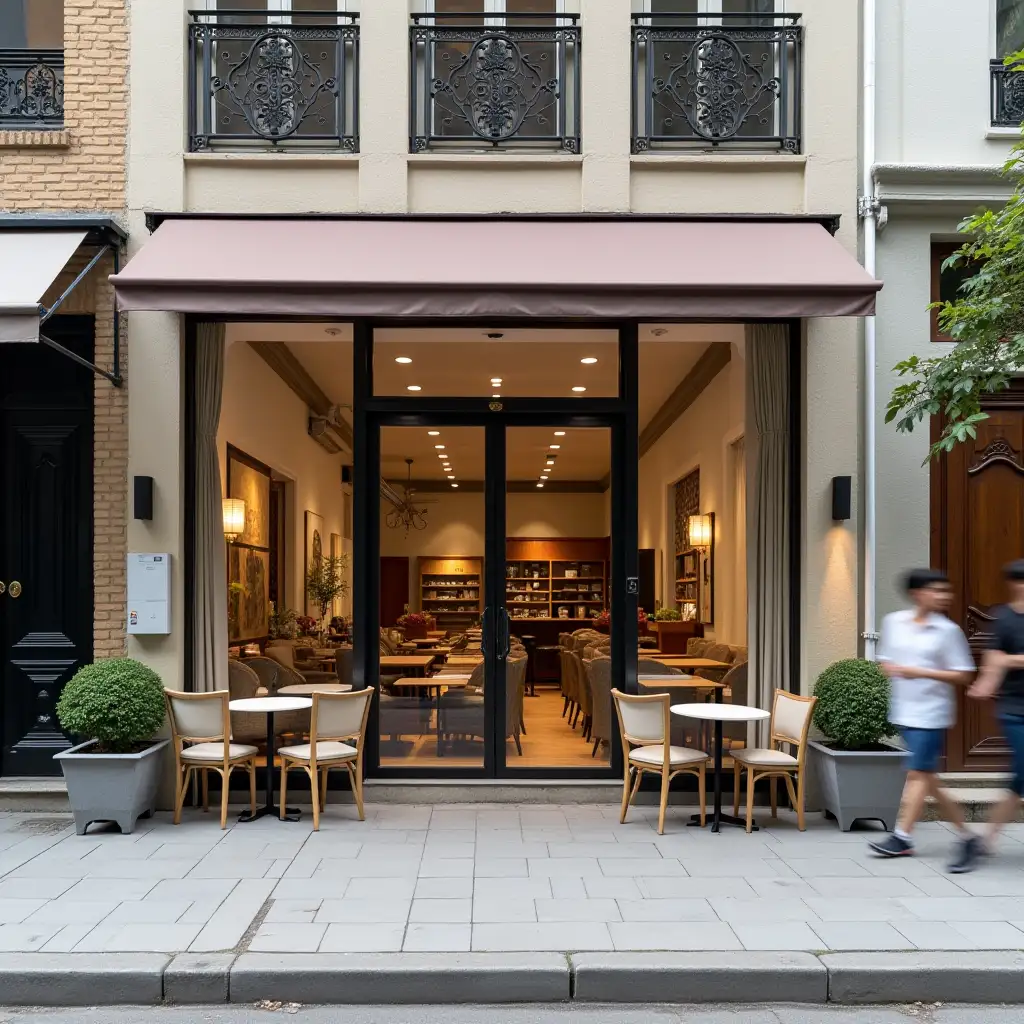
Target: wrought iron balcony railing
{"points": [[1007, 96], [261, 80], [715, 81], [484, 81], [31, 89]]}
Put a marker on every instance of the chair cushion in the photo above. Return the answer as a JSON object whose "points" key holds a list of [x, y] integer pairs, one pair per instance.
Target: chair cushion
{"points": [[656, 755], [326, 750], [215, 751], [762, 756]]}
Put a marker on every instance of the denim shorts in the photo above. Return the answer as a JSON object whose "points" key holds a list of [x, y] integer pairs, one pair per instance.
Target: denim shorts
{"points": [[1013, 730], [925, 746]]}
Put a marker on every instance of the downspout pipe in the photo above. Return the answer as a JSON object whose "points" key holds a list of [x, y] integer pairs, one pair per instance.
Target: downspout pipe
{"points": [[868, 208]]}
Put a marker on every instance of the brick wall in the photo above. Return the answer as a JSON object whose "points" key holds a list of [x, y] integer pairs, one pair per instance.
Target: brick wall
{"points": [[81, 169]]}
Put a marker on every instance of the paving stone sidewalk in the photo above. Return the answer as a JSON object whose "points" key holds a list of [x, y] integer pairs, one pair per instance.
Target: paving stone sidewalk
{"points": [[492, 878]]}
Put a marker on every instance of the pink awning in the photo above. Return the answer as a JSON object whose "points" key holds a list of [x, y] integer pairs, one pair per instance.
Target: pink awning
{"points": [[604, 269]]}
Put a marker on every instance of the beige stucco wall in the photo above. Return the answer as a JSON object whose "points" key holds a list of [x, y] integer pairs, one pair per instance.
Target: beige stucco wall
{"points": [[384, 177]]}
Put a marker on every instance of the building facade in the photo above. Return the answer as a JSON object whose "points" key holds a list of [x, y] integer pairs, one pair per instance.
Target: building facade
{"points": [[940, 145], [63, 136], [522, 234]]}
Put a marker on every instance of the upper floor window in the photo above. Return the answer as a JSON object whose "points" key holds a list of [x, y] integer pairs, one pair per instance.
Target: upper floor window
{"points": [[277, 72], [1008, 86], [708, 73], [31, 63], [490, 74]]}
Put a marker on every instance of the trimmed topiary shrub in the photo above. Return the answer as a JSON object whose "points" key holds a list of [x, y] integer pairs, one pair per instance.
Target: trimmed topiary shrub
{"points": [[118, 701], [853, 704]]}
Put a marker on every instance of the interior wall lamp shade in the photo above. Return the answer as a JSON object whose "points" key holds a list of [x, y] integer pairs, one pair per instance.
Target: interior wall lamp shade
{"points": [[699, 529], [234, 517]]}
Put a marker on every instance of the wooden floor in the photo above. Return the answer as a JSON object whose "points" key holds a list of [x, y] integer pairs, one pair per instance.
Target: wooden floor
{"points": [[549, 742]]}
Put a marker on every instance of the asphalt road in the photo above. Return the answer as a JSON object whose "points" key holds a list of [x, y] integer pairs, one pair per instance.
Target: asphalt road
{"points": [[776, 1014]]}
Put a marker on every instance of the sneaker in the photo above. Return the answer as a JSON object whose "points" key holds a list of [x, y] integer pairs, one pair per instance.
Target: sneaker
{"points": [[968, 852], [893, 846]]}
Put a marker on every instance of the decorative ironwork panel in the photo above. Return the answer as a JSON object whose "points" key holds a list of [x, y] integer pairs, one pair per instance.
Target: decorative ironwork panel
{"points": [[31, 89], [257, 83], [687, 504], [513, 84], [1007, 96], [703, 82]]}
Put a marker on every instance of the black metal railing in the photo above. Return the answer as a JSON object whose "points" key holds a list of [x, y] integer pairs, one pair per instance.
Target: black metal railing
{"points": [[277, 80], [716, 81], [31, 89], [1007, 96], [482, 81]]}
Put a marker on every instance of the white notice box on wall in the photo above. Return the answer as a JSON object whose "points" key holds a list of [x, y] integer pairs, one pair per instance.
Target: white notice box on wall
{"points": [[149, 594]]}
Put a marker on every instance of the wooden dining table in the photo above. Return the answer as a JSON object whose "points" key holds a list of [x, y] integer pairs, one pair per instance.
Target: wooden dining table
{"points": [[683, 661], [413, 664]]}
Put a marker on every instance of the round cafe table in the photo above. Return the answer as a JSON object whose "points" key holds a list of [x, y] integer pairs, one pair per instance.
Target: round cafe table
{"points": [[719, 713], [268, 706]]}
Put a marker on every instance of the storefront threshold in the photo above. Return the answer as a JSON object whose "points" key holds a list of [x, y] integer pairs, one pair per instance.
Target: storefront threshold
{"points": [[23, 793], [494, 791]]}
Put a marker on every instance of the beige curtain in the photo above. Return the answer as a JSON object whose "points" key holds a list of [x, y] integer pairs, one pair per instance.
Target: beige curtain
{"points": [[210, 610], [768, 537]]}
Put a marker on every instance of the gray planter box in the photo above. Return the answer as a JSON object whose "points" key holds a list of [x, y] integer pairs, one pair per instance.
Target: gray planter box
{"points": [[111, 787], [859, 784]]}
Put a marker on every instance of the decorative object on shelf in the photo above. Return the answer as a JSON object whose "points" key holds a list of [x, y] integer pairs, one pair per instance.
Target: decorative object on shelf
{"points": [[406, 510]]}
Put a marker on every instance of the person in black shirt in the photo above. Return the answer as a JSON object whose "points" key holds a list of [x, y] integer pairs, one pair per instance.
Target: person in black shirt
{"points": [[1002, 678]]}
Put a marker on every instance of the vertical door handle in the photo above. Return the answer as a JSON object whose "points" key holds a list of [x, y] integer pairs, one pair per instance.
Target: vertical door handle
{"points": [[485, 632], [505, 643]]}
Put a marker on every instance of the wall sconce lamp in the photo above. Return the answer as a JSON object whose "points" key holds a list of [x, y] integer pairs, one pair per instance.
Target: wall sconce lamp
{"points": [[701, 530], [234, 518], [842, 498]]}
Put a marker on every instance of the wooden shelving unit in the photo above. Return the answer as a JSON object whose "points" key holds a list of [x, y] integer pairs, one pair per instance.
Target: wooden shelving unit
{"points": [[451, 589], [543, 576], [688, 583]]}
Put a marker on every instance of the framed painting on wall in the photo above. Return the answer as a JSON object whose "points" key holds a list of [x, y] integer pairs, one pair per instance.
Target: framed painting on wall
{"points": [[249, 479], [248, 556], [314, 551]]}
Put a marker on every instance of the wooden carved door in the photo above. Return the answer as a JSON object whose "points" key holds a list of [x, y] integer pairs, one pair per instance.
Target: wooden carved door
{"points": [[977, 526]]}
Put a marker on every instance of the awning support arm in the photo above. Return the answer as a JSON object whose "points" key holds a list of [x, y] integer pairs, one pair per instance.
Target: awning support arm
{"points": [[114, 377]]}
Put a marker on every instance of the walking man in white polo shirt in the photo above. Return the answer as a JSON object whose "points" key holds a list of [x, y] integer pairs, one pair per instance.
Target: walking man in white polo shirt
{"points": [[926, 657]]}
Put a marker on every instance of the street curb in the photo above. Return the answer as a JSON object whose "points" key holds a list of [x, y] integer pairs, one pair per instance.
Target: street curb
{"points": [[699, 977], [111, 979], [81, 979], [386, 978], [965, 977], [198, 978]]}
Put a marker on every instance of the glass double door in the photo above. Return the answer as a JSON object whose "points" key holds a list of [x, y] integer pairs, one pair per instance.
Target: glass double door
{"points": [[496, 541]]}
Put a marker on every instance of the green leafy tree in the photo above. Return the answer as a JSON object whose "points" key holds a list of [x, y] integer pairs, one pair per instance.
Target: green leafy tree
{"points": [[986, 320], [325, 582]]}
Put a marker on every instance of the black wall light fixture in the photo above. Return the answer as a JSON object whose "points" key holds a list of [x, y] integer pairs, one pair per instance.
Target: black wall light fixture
{"points": [[842, 497], [142, 487]]}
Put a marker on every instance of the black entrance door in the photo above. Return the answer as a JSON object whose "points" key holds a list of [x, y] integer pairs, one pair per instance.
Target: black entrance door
{"points": [[46, 608]]}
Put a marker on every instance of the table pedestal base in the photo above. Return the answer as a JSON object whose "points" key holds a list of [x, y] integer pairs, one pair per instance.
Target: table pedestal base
{"points": [[722, 819], [290, 813]]}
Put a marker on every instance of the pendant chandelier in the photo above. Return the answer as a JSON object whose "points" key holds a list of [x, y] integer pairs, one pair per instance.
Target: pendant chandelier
{"points": [[406, 509]]}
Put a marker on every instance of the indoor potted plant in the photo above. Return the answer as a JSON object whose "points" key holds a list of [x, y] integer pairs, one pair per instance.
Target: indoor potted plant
{"points": [[325, 583], [672, 631], [113, 776], [859, 774], [414, 625]]}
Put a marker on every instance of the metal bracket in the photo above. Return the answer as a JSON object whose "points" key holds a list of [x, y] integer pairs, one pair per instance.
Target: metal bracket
{"points": [[868, 206], [114, 376], [875, 637]]}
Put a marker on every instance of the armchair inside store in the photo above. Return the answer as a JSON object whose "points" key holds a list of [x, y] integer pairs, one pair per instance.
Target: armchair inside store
{"points": [[496, 496]]}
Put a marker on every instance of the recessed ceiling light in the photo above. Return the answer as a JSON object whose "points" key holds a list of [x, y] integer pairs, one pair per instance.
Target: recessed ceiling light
{"points": [[495, 381], [455, 485], [543, 476], [578, 389], [451, 478], [556, 446], [559, 433], [588, 360], [442, 456], [540, 485], [438, 445], [414, 387], [402, 359], [495, 396], [433, 433]]}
